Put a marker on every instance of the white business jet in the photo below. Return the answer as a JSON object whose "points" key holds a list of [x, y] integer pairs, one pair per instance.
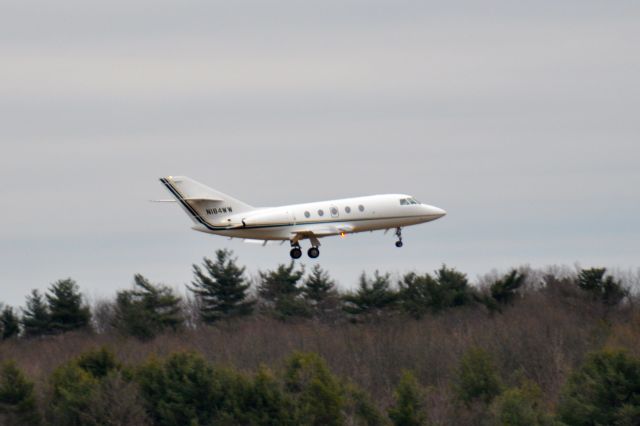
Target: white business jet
{"points": [[217, 213]]}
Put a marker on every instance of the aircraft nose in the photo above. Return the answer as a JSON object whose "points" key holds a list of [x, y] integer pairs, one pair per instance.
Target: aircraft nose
{"points": [[434, 211]]}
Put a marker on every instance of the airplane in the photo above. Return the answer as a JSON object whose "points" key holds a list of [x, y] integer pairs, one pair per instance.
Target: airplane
{"points": [[216, 213]]}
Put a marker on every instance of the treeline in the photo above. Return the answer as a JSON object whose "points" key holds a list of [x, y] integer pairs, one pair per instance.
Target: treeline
{"points": [[221, 291], [528, 347]]}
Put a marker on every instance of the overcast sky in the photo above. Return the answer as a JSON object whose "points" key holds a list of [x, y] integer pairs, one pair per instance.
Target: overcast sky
{"points": [[521, 119]]}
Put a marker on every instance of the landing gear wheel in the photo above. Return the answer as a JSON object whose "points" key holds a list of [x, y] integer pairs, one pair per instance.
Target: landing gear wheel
{"points": [[296, 253], [399, 235], [313, 252]]}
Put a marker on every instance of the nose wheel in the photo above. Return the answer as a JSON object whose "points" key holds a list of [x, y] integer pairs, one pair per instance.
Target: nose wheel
{"points": [[399, 235]]}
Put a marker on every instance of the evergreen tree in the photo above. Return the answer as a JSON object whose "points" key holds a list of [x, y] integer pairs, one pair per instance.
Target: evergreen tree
{"points": [[9, 323], [318, 395], [607, 289], [17, 399], [66, 308], [605, 390], [36, 320], [221, 289], [372, 296], [147, 310], [73, 389], [409, 406], [521, 406], [281, 292], [418, 294], [477, 378], [454, 287], [319, 291], [504, 289], [185, 389]]}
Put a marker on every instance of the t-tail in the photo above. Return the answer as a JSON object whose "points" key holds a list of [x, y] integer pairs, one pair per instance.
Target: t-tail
{"points": [[204, 205]]}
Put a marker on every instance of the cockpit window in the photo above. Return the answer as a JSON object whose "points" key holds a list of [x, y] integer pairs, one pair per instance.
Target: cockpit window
{"points": [[408, 201]]}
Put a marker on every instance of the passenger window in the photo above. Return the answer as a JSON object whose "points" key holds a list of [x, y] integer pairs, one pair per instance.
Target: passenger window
{"points": [[347, 209], [320, 212], [334, 211], [307, 214], [361, 207]]}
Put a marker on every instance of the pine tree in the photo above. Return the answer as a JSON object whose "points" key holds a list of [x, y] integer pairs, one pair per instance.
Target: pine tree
{"points": [[605, 390], [418, 294], [409, 406], [66, 308], [372, 296], [9, 322], [454, 287], [147, 310], [221, 288], [36, 320], [17, 400], [280, 290], [607, 289], [477, 378], [319, 291]]}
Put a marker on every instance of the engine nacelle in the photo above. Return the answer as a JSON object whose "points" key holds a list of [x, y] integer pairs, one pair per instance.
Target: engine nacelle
{"points": [[269, 217]]}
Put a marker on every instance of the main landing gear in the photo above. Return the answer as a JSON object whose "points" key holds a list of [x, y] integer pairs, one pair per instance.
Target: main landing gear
{"points": [[313, 252], [296, 252], [399, 235]]}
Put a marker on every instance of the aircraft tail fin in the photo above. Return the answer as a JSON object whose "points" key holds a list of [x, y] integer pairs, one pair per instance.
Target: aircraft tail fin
{"points": [[202, 203]]}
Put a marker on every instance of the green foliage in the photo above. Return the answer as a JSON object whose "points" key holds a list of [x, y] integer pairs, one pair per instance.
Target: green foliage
{"points": [[372, 296], [521, 406], [319, 292], [477, 378], [17, 400], [606, 289], [267, 403], [80, 387], [318, 395], [184, 389], [504, 290], [360, 408], [66, 309], [98, 363], [9, 323], [454, 288], [73, 390], [281, 292], [147, 310], [419, 294], [409, 407], [221, 288], [36, 320], [604, 391]]}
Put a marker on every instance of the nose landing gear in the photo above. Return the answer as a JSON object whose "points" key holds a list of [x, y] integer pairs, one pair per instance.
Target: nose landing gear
{"points": [[399, 235]]}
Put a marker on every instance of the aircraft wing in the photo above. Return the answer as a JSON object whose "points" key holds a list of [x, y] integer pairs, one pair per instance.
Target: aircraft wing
{"points": [[313, 232]]}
